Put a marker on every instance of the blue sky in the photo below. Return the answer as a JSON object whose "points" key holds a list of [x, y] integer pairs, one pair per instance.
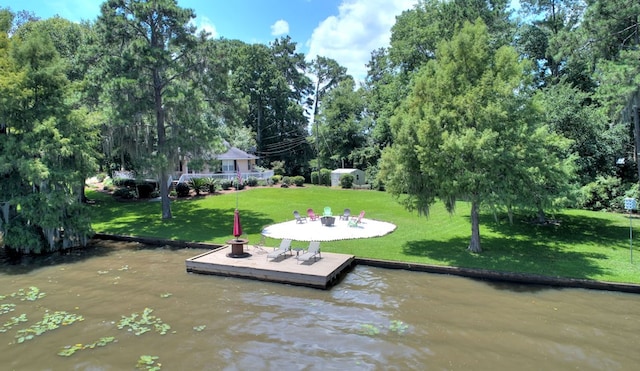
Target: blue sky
{"points": [[345, 30]]}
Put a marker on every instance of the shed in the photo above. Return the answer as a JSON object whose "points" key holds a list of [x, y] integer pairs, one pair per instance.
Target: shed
{"points": [[358, 176]]}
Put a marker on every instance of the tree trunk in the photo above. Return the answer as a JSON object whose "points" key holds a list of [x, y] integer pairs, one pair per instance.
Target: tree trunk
{"points": [[474, 245], [164, 176], [82, 196]]}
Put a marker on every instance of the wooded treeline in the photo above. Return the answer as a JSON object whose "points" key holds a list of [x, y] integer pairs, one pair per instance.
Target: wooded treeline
{"points": [[531, 110]]}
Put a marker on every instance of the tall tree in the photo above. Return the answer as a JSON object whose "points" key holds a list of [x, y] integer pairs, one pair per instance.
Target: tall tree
{"points": [[273, 81], [328, 73], [418, 31], [341, 125], [150, 51], [549, 35], [614, 26], [466, 130], [45, 148]]}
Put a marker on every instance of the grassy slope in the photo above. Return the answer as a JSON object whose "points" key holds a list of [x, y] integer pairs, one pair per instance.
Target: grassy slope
{"points": [[586, 244]]}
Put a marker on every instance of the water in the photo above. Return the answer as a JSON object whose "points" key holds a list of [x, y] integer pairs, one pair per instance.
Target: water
{"points": [[374, 319]]}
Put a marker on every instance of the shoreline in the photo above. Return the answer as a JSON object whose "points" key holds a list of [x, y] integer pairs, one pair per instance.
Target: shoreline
{"points": [[474, 273]]}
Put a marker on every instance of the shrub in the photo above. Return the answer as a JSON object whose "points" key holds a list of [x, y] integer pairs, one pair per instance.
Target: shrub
{"points": [[315, 177], [129, 183], [198, 184], [226, 184], [238, 184], [145, 189], [286, 181], [276, 179], [252, 181], [372, 175], [182, 189], [125, 193], [346, 181], [606, 193], [325, 177], [278, 167], [298, 180], [212, 184], [101, 177], [118, 182]]}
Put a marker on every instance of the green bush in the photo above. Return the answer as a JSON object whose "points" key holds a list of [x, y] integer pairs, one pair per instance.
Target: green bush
{"points": [[372, 175], [315, 177], [118, 182], [325, 177], [286, 181], [252, 181], [145, 189], [606, 193], [212, 185], [278, 167], [129, 183], [346, 181], [276, 179], [238, 184], [182, 189], [125, 193], [226, 184], [198, 184], [298, 180]]}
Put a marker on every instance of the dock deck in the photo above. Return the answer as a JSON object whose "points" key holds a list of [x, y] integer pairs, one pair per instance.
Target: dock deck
{"points": [[321, 273]]}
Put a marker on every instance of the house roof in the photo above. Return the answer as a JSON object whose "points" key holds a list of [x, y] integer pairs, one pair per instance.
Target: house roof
{"points": [[236, 154]]}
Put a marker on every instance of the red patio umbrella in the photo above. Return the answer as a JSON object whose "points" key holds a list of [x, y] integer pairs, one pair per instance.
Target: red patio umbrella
{"points": [[237, 228]]}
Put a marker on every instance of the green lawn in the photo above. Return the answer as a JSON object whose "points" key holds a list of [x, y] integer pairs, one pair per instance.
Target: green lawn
{"points": [[589, 245]]}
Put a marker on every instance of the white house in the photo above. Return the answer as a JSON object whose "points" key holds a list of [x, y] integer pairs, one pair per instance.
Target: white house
{"points": [[233, 162], [358, 176]]}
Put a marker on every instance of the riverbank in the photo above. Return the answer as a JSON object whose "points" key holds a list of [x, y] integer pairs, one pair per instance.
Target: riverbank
{"points": [[482, 274], [581, 245]]}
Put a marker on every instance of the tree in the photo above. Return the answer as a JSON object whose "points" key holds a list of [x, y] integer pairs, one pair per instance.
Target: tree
{"points": [[150, 52], [614, 26], [273, 82], [46, 147], [466, 130], [418, 31], [340, 123], [548, 38], [568, 112], [328, 74]]}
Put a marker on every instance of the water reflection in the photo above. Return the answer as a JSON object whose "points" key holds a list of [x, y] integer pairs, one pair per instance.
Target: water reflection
{"points": [[374, 319]]}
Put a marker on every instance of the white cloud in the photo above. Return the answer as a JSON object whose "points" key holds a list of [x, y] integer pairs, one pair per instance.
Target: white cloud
{"points": [[281, 27], [360, 27], [203, 23]]}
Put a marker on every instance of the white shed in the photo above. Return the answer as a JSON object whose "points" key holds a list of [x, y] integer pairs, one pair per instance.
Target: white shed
{"points": [[358, 176]]}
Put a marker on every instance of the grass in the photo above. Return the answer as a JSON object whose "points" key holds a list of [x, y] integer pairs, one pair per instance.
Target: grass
{"points": [[585, 244]]}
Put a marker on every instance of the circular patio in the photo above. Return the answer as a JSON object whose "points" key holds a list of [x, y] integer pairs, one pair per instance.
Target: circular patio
{"points": [[316, 231]]}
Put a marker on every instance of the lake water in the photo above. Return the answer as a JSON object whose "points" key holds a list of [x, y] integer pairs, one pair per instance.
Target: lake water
{"points": [[375, 319]]}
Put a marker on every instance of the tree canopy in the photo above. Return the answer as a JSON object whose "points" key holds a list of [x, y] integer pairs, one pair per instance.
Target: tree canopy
{"points": [[468, 131]]}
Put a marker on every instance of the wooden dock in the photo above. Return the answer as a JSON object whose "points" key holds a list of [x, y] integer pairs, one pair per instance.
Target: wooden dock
{"points": [[321, 273]]}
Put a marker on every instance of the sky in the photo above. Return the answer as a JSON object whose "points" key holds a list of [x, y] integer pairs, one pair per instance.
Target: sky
{"points": [[344, 30]]}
